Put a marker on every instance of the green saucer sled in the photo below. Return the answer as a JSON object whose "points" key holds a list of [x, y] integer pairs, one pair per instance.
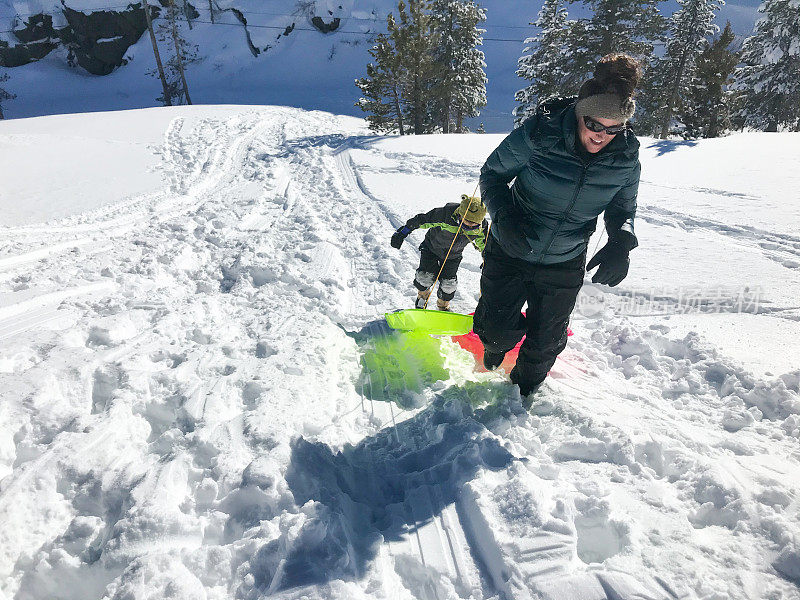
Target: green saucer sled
{"points": [[403, 360], [431, 322]]}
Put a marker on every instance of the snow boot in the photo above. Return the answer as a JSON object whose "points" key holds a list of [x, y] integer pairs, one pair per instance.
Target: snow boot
{"points": [[422, 298], [527, 385], [492, 360], [443, 304], [527, 399]]}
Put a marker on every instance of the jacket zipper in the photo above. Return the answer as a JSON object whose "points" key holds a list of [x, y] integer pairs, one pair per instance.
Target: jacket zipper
{"points": [[565, 214]]}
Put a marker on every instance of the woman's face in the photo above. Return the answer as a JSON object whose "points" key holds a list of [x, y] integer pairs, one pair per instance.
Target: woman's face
{"points": [[595, 141]]}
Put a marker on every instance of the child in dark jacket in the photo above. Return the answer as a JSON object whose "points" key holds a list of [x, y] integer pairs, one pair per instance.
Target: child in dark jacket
{"points": [[443, 226]]}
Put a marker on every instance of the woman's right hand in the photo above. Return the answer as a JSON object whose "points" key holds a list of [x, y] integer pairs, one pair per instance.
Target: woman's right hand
{"points": [[513, 239]]}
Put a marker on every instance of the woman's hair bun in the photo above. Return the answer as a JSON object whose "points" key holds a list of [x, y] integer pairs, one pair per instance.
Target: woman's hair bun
{"points": [[618, 73]]}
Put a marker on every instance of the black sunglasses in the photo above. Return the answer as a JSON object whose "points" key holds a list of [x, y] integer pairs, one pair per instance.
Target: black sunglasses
{"points": [[597, 127]]}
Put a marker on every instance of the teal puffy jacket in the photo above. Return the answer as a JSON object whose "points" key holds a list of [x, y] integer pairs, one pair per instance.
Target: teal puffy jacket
{"points": [[557, 194]]}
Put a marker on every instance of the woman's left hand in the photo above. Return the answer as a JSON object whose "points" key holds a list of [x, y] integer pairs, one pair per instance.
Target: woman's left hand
{"points": [[614, 262]]}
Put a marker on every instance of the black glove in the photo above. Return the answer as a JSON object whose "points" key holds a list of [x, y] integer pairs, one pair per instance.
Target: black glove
{"points": [[614, 262], [509, 226], [399, 236]]}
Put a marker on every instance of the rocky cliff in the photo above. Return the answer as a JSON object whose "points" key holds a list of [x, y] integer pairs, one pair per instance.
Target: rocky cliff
{"points": [[97, 41]]}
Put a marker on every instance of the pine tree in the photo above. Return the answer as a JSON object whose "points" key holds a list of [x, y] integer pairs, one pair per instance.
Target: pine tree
{"points": [[629, 26], [184, 54], [770, 75], [4, 95], [427, 72], [414, 41], [188, 12], [167, 97], [673, 73], [649, 99], [382, 88], [706, 111], [461, 81], [470, 94], [176, 88], [547, 61]]}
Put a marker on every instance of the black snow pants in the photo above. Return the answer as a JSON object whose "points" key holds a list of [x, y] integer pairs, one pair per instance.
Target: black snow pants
{"points": [[550, 291], [429, 266]]}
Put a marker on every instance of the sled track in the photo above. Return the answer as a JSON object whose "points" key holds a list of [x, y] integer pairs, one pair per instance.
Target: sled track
{"points": [[195, 167], [442, 543], [434, 532]]}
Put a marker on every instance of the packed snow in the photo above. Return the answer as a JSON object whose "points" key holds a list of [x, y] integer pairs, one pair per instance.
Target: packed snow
{"points": [[186, 298]]}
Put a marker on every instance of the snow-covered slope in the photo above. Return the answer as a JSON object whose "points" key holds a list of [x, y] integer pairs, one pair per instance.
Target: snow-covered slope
{"points": [[183, 411]]}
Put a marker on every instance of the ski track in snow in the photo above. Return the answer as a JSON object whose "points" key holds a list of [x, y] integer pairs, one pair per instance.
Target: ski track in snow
{"points": [[183, 417], [783, 249]]}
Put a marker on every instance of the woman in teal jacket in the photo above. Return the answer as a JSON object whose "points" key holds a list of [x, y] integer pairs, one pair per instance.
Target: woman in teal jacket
{"points": [[572, 160]]}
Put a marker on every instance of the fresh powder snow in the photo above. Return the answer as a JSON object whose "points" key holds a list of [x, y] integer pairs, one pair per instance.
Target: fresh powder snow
{"points": [[187, 296]]}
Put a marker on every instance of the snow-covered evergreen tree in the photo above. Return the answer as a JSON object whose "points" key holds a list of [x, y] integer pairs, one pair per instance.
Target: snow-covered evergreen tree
{"points": [[382, 88], [4, 95], [706, 109], [547, 61], [770, 75], [461, 81], [415, 41], [427, 73], [671, 75], [629, 26], [400, 89]]}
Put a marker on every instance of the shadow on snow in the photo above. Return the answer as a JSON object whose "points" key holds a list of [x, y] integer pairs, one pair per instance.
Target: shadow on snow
{"points": [[383, 489], [664, 146], [336, 141]]}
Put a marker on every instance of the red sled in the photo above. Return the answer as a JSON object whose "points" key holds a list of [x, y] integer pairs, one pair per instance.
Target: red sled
{"points": [[472, 343]]}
